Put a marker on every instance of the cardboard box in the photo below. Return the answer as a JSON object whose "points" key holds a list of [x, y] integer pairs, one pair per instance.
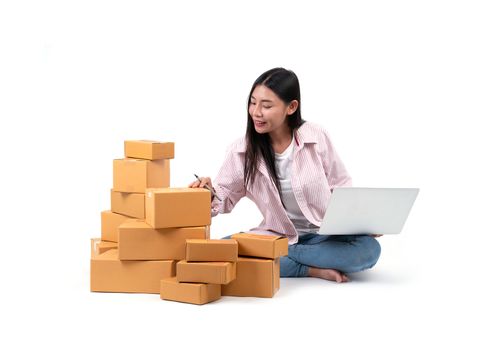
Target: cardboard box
{"points": [[110, 224], [193, 293], [206, 272], [152, 150], [178, 207], [139, 241], [109, 274], [129, 204], [211, 250], [255, 278], [98, 246], [261, 246], [135, 175]]}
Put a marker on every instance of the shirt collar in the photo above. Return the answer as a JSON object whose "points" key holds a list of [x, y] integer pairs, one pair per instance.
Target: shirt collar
{"points": [[305, 134]]}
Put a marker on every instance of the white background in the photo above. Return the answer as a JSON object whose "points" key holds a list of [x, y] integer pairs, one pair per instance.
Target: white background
{"points": [[401, 87]]}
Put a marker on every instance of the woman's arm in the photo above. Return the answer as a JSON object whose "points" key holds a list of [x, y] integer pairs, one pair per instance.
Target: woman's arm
{"points": [[229, 184]]}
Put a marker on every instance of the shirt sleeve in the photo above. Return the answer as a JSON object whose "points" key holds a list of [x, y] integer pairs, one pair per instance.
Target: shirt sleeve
{"points": [[336, 172], [229, 183]]}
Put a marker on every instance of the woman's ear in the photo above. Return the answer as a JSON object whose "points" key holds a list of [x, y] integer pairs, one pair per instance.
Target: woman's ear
{"points": [[292, 107]]}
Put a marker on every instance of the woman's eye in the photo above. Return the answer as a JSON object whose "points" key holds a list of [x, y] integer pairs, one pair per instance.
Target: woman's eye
{"points": [[267, 107]]}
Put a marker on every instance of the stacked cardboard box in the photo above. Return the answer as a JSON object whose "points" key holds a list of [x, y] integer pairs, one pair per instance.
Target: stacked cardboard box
{"points": [[156, 239], [258, 265], [247, 265], [132, 255], [208, 265]]}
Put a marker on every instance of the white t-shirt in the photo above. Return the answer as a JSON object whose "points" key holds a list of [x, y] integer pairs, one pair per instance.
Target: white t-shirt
{"points": [[283, 164]]}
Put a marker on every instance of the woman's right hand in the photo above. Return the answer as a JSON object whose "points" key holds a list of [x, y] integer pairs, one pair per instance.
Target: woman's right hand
{"points": [[197, 183]]}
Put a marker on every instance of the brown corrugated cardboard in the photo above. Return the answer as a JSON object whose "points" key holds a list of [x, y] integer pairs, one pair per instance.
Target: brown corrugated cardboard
{"points": [[254, 278], [135, 175], [103, 246], [152, 150], [139, 241], [110, 224], [109, 274], [177, 207], [206, 272], [193, 293], [130, 204], [261, 246], [211, 250], [98, 246]]}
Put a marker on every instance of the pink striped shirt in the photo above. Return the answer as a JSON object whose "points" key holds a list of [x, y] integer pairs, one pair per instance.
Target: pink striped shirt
{"points": [[316, 170]]}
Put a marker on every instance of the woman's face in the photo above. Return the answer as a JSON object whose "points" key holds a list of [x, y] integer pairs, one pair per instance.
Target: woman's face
{"points": [[268, 111]]}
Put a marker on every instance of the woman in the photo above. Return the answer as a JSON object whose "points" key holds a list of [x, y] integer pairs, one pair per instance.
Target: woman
{"points": [[288, 168]]}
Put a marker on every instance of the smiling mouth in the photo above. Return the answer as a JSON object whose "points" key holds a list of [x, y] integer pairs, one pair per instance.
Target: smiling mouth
{"points": [[258, 123]]}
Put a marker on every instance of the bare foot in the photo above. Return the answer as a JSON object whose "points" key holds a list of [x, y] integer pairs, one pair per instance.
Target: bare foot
{"points": [[327, 274]]}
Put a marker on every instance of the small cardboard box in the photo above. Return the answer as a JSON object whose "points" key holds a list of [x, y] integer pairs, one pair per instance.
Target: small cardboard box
{"points": [[98, 246], [178, 207], [193, 293], [109, 274], [261, 246], [255, 278], [206, 272], [135, 175], [110, 224], [130, 204], [211, 250], [151, 150], [139, 241]]}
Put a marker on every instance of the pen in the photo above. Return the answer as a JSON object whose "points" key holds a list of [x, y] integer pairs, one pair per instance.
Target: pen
{"points": [[208, 188]]}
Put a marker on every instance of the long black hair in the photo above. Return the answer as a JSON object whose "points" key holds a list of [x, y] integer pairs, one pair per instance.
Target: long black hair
{"points": [[284, 83]]}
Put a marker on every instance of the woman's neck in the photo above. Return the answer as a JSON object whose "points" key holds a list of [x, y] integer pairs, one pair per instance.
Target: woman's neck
{"points": [[280, 139]]}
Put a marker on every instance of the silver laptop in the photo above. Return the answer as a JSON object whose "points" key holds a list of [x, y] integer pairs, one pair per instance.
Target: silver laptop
{"points": [[360, 210]]}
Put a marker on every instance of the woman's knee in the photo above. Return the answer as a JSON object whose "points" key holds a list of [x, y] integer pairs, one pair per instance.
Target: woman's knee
{"points": [[368, 254], [372, 251]]}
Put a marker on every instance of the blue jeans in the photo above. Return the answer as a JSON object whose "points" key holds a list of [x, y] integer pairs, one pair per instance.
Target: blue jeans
{"points": [[348, 253]]}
